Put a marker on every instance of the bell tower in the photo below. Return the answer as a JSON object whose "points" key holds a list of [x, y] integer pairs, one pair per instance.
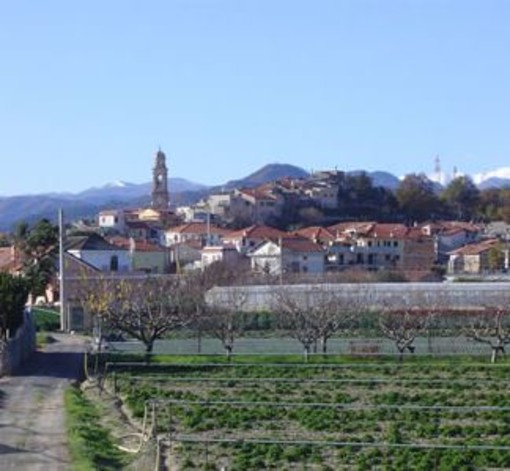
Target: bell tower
{"points": [[160, 197]]}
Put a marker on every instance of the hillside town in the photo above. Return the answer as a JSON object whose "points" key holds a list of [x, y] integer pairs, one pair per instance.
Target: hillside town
{"points": [[240, 227], [160, 240]]}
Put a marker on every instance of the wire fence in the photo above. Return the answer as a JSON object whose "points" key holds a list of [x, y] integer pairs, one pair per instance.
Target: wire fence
{"points": [[458, 345]]}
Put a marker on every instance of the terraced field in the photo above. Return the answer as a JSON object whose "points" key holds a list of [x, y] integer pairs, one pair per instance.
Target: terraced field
{"points": [[357, 413]]}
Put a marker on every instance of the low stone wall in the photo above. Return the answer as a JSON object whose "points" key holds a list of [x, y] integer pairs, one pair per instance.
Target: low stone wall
{"points": [[19, 348]]}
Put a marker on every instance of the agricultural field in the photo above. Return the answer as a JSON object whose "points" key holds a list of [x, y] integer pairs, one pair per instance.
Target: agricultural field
{"points": [[334, 412]]}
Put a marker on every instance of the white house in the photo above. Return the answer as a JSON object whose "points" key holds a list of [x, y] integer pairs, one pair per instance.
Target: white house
{"points": [[113, 219], [99, 253], [289, 255], [197, 231], [227, 254], [249, 237]]}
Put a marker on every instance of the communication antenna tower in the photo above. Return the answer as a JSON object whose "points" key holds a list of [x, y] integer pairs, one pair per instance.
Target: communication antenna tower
{"points": [[437, 168]]}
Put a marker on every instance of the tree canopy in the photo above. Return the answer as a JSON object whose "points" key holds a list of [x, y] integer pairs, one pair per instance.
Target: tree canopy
{"points": [[417, 198], [462, 197], [37, 246], [13, 296]]}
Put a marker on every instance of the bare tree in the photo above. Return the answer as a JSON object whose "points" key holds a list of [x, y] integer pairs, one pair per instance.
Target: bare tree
{"points": [[406, 319], [403, 326], [293, 312], [146, 309], [336, 310], [221, 319], [492, 327], [317, 314], [225, 321]]}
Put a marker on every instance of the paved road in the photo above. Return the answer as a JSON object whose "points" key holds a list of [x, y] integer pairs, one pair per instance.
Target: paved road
{"points": [[32, 418]]}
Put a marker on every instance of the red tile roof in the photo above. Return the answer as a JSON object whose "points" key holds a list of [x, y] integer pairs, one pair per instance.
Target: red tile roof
{"points": [[257, 232], [392, 231], [197, 228], [343, 227], [257, 193], [301, 244], [376, 230], [139, 245], [316, 233]]}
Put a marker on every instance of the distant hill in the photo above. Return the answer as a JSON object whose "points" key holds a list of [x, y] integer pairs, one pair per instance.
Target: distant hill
{"points": [[34, 207], [494, 182], [268, 173], [88, 203]]}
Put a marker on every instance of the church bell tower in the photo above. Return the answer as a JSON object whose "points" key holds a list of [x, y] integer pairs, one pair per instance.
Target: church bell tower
{"points": [[160, 197]]}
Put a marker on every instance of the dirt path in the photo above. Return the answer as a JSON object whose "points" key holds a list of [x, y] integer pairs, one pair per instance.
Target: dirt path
{"points": [[32, 416]]}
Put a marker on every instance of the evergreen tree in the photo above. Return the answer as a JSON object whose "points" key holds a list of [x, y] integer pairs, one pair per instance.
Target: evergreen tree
{"points": [[462, 197]]}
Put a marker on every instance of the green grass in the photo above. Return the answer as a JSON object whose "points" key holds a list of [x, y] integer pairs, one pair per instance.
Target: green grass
{"points": [[339, 359], [91, 446]]}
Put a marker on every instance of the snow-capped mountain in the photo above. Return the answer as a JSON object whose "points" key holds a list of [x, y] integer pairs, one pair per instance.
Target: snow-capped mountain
{"points": [[498, 178], [117, 184], [494, 178]]}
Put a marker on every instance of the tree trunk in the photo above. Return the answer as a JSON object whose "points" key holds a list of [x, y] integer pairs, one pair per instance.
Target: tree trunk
{"points": [[494, 354], [149, 345], [199, 341], [324, 345], [401, 351], [307, 352], [228, 349]]}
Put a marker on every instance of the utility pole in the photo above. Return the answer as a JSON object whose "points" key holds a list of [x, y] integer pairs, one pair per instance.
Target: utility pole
{"points": [[64, 324]]}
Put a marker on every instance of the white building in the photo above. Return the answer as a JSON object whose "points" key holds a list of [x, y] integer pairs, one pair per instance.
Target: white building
{"points": [[99, 253], [113, 219], [289, 255]]}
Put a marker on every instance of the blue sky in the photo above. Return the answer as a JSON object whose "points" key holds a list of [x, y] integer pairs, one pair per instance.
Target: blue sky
{"points": [[89, 90]]}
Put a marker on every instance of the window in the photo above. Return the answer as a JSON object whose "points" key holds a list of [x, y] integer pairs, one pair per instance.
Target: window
{"points": [[114, 263], [395, 243]]}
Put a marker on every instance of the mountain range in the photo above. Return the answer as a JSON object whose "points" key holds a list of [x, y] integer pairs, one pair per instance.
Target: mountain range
{"points": [[88, 203]]}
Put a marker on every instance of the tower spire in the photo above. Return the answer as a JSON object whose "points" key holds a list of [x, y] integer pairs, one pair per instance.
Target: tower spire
{"points": [[160, 195]]}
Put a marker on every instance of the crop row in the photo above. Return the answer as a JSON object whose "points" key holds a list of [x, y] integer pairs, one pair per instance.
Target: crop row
{"points": [[400, 416]]}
